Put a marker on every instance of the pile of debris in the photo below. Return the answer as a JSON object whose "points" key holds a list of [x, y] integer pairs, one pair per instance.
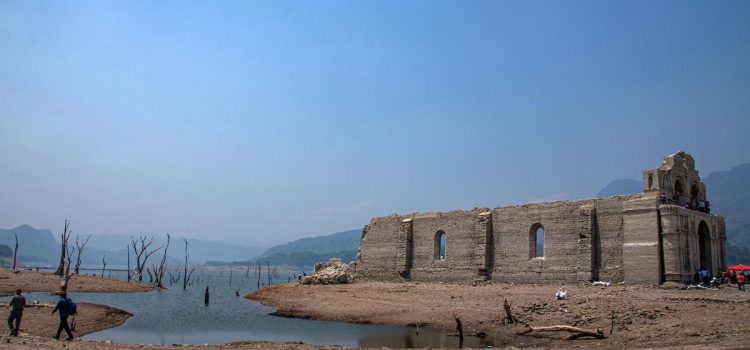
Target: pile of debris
{"points": [[332, 272]]}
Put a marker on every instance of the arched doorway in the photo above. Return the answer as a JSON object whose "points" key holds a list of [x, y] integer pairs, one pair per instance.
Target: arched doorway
{"points": [[704, 246], [678, 187]]}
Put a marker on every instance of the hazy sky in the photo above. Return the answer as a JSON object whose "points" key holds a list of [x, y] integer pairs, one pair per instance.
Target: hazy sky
{"points": [[277, 120]]}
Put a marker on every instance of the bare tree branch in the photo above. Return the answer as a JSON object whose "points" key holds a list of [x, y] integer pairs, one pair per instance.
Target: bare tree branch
{"points": [[80, 246], [64, 248]]}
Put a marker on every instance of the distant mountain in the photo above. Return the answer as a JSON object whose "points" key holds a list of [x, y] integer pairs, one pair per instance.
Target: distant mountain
{"points": [[619, 187], [40, 246], [341, 241], [729, 193], [200, 250], [305, 252], [33, 245]]}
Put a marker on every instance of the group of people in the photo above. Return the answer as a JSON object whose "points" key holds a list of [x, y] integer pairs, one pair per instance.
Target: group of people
{"points": [[64, 307], [694, 203], [706, 278], [738, 277]]}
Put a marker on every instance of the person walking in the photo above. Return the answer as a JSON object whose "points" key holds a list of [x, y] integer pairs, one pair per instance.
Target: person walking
{"points": [[16, 312], [62, 307], [741, 281]]}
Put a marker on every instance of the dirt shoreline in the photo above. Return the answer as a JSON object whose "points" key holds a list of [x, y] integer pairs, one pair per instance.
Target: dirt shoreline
{"points": [[47, 282], [37, 319], [644, 316]]}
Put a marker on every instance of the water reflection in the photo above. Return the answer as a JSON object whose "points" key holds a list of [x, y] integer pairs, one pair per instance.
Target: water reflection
{"points": [[422, 339]]}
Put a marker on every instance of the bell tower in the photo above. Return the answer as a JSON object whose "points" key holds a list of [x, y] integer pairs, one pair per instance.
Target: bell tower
{"points": [[677, 178]]}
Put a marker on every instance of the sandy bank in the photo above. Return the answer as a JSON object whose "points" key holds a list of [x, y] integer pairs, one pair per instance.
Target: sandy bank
{"points": [[47, 282], [38, 321], [643, 316]]}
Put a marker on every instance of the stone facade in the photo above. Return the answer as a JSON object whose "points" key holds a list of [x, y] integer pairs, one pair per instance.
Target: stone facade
{"points": [[638, 238]]}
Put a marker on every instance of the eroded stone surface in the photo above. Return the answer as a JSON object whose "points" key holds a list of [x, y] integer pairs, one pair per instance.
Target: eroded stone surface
{"points": [[633, 238]]}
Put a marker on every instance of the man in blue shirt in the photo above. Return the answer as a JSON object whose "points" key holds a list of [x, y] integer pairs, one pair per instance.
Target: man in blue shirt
{"points": [[62, 309]]}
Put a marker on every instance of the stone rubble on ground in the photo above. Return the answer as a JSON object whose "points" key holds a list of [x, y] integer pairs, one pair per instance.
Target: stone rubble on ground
{"points": [[332, 272]]}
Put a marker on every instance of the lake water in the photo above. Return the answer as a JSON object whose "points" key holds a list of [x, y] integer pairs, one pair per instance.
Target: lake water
{"points": [[175, 315]]}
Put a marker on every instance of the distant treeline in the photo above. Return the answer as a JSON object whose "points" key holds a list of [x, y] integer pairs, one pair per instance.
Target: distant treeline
{"points": [[306, 260]]}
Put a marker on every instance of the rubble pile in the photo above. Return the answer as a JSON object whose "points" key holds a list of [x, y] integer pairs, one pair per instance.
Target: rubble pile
{"points": [[332, 272]]}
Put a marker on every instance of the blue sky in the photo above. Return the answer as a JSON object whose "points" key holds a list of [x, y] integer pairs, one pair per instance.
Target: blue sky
{"points": [[277, 120]]}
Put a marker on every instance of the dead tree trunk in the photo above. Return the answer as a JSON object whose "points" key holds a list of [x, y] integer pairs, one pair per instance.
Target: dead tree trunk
{"points": [[142, 253], [80, 246], [15, 253], [66, 271], [162, 266], [268, 272], [460, 329], [128, 249], [104, 264], [64, 249], [187, 275]]}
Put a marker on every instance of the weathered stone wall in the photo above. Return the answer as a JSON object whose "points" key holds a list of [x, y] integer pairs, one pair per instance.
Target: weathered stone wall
{"points": [[632, 238], [641, 254], [465, 246], [383, 249], [682, 242], [582, 241]]}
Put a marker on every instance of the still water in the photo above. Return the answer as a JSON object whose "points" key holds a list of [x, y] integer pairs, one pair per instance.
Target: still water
{"points": [[175, 315]]}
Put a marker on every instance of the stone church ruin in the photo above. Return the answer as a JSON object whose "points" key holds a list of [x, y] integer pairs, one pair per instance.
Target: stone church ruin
{"points": [[664, 234]]}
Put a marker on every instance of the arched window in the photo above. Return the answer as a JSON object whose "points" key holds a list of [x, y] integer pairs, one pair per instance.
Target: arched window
{"points": [[678, 187], [694, 191], [440, 243], [536, 241]]}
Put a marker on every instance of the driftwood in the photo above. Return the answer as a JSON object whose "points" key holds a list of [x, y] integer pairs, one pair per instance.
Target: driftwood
{"points": [[508, 315], [575, 332], [460, 329]]}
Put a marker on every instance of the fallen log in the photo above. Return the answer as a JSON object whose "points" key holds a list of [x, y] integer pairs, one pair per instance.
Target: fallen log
{"points": [[575, 332]]}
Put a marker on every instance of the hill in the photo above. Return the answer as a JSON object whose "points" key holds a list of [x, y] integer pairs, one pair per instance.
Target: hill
{"points": [[619, 187], [305, 252], [200, 250], [38, 246], [729, 193], [33, 245], [340, 241]]}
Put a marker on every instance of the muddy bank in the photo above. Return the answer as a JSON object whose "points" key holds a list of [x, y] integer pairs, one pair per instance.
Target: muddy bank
{"points": [[38, 321], [35, 343], [47, 282], [639, 316]]}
